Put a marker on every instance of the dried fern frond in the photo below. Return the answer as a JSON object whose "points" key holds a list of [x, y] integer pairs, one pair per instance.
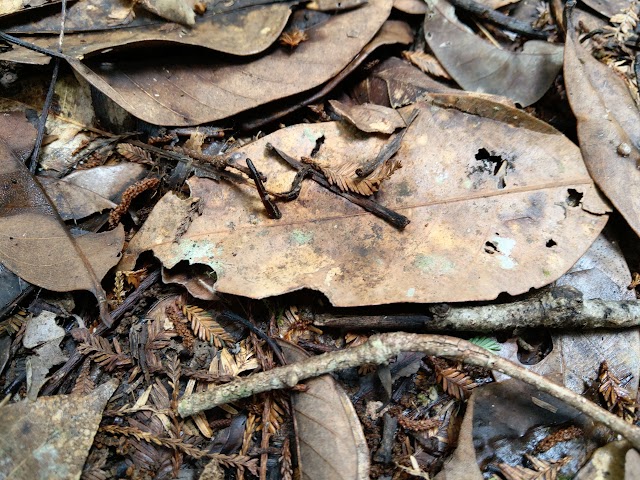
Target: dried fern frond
{"points": [[345, 178], [454, 382], [616, 397], [277, 412], [84, 385], [205, 327], [245, 358], [13, 324], [179, 444], [157, 338], [286, 463], [134, 154], [100, 351], [180, 324], [542, 470], [292, 327]]}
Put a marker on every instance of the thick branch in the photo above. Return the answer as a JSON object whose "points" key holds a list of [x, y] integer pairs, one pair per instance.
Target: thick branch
{"points": [[560, 307], [381, 348]]}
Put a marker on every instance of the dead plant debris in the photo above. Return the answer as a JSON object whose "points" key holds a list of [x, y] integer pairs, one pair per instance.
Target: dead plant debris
{"points": [[228, 202]]}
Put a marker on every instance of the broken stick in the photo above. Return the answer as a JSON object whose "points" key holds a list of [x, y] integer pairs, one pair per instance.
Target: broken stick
{"points": [[379, 350]]}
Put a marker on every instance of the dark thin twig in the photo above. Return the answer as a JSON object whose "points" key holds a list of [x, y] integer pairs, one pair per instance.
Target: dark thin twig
{"points": [[272, 209], [21, 43], [500, 19], [387, 151], [42, 121], [272, 344], [394, 218]]}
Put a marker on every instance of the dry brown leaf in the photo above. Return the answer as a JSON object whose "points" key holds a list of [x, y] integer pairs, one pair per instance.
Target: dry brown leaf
{"points": [[34, 243], [50, 438], [242, 31], [330, 438], [73, 202], [608, 120], [469, 239], [477, 65], [414, 7], [369, 117], [147, 88], [205, 327], [427, 63], [455, 383]]}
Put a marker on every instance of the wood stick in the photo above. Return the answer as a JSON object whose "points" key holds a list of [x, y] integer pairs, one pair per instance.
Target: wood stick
{"points": [[379, 350]]}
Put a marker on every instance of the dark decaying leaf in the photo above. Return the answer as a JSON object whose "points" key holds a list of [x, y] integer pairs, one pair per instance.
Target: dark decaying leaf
{"points": [[50, 438], [330, 438], [608, 120], [477, 65], [245, 31], [34, 243], [210, 90], [485, 195]]}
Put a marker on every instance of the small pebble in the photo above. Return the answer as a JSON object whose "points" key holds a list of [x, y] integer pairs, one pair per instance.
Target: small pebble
{"points": [[624, 150]]}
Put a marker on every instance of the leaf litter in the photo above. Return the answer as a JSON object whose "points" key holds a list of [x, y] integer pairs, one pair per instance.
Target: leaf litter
{"points": [[422, 193]]}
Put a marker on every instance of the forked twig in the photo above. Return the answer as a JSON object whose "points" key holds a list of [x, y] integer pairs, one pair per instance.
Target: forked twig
{"points": [[380, 349]]}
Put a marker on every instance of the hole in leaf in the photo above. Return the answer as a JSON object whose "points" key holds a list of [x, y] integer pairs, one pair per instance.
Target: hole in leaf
{"points": [[490, 248], [495, 164], [574, 198], [551, 243]]}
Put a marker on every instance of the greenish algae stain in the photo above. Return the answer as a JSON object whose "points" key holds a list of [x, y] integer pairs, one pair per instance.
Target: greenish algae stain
{"points": [[301, 237], [433, 263]]}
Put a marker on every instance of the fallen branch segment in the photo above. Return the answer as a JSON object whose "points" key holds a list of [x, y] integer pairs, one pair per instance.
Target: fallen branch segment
{"points": [[380, 349], [560, 307]]}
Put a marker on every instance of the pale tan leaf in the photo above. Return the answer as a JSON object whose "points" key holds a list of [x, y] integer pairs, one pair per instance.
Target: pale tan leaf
{"points": [[331, 441], [472, 235]]}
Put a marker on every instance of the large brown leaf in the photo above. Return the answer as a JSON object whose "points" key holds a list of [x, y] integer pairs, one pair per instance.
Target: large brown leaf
{"points": [[50, 438], [608, 120], [330, 437], [479, 66], [498, 204], [239, 32], [34, 243], [179, 92]]}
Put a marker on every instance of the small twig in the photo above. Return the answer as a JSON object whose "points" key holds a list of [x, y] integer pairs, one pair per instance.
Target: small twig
{"points": [[45, 51], [500, 19], [272, 209], [277, 352], [387, 151], [42, 121], [397, 220], [379, 350], [560, 307]]}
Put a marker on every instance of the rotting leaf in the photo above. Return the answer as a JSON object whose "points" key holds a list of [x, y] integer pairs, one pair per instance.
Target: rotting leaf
{"points": [[477, 65], [147, 88], [50, 438], [34, 242], [471, 237], [608, 120], [330, 438], [242, 32]]}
